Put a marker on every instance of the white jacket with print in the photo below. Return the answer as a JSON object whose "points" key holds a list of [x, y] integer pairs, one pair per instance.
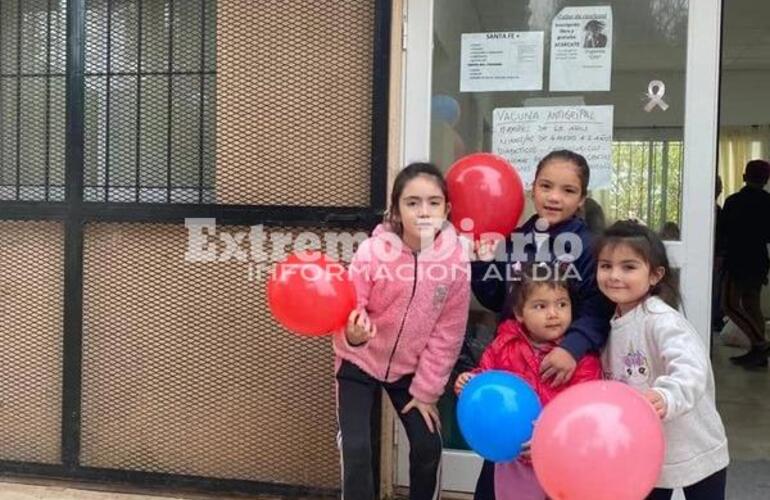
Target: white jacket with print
{"points": [[654, 347]]}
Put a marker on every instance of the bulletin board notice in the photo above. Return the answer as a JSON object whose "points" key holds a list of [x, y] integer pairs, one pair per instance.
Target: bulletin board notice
{"points": [[501, 61]]}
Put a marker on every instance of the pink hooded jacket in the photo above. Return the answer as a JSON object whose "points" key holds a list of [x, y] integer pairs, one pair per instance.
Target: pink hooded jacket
{"points": [[419, 302]]}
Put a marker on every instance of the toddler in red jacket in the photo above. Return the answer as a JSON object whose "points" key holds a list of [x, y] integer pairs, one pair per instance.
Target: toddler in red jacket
{"points": [[542, 312]]}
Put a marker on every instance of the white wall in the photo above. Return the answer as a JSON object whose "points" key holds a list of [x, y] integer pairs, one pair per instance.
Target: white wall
{"points": [[745, 98]]}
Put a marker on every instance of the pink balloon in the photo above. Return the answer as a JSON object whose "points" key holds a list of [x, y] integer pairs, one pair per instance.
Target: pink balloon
{"points": [[600, 440]]}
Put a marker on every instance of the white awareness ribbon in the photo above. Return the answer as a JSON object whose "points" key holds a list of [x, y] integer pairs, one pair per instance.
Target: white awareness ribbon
{"points": [[655, 92]]}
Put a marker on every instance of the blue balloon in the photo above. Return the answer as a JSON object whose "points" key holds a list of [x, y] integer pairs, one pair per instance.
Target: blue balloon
{"points": [[445, 108], [496, 413]]}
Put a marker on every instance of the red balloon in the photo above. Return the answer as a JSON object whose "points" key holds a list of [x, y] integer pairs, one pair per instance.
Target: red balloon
{"points": [[600, 440], [310, 294], [486, 189]]}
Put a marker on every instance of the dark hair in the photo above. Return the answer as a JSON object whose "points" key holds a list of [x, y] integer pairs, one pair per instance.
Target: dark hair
{"points": [[757, 172], [583, 172], [593, 214], [647, 245], [670, 231], [594, 24], [404, 176], [532, 276]]}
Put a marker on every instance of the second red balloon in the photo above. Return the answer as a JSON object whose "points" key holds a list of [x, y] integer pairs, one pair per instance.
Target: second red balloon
{"points": [[487, 195]]}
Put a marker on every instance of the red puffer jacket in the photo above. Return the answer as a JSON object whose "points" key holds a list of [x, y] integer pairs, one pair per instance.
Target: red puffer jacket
{"points": [[513, 352]]}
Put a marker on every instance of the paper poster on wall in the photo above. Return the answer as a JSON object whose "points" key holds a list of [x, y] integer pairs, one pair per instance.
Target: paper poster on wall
{"points": [[524, 135], [501, 61], [581, 49]]}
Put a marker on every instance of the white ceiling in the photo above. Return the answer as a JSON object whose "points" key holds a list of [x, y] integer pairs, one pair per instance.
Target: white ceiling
{"points": [[746, 35]]}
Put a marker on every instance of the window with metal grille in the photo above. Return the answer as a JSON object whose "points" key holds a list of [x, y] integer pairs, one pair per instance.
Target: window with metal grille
{"points": [[646, 182], [296, 140], [294, 124], [32, 70], [149, 100]]}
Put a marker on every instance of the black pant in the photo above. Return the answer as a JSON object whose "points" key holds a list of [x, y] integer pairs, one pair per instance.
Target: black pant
{"points": [[485, 485], [356, 394], [741, 300], [711, 488]]}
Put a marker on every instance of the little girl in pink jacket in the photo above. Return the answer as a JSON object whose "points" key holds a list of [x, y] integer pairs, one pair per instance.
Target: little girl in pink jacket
{"points": [[412, 280]]}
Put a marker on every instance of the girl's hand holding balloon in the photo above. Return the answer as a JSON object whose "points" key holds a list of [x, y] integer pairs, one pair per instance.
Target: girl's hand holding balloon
{"points": [[526, 448], [485, 249], [359, 328], [656, 400], [462, 379], [526, 451], [428, 411]]}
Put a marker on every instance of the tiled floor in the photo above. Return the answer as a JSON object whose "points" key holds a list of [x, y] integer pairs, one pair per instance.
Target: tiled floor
{"points": [[67, 491], [743, 398], [14, 491]]}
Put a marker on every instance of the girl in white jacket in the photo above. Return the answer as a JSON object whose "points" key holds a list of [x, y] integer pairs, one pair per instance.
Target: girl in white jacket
{"points": [[653, 348]]}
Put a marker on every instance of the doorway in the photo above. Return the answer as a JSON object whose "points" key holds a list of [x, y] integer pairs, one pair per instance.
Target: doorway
{"points": [[743, 395], [654, 160]]}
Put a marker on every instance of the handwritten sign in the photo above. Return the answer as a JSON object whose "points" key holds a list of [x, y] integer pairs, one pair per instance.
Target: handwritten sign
{"points": [[525, 135]]}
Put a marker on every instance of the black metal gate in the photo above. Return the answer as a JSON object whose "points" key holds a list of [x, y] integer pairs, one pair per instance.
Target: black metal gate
{"points": [[119, 121]]}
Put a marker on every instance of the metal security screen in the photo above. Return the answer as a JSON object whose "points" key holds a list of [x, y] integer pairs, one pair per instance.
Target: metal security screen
{"points": [[32, 63], [186, 373], [647, 182], [150, 100], [31, 331], [120, 120], [326, 105]]}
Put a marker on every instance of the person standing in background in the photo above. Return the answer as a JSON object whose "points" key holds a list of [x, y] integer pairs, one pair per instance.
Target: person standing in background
{"points": [[745, 228]]}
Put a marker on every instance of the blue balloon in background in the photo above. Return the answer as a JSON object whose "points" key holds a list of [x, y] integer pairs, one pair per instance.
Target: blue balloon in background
{"points": [[445, 108], [496, 412]]}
